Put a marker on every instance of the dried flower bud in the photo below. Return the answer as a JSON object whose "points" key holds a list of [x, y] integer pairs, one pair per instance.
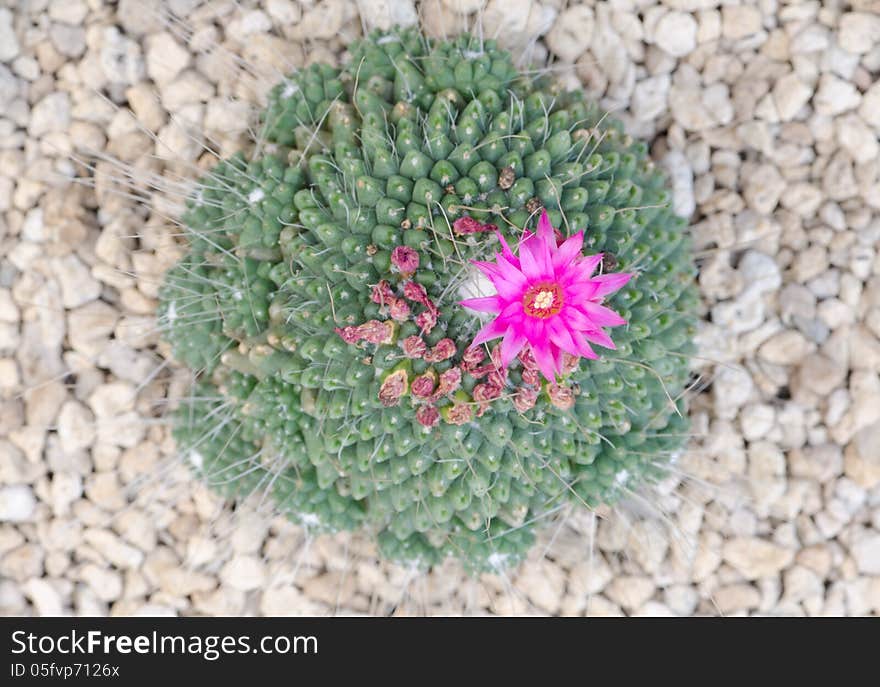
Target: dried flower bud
{"points": [[428, 416], [524, 399], [444, 350], [423, 385], [393, 387], [405, 259], [413, 347], [458, 414], [561, 397]]}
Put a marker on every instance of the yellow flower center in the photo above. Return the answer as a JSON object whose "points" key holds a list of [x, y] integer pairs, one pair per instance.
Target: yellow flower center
{"points": [[542, 300]]}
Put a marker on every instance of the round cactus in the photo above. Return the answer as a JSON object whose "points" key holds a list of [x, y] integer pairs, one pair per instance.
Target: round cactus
{"points": [[338, 297]]}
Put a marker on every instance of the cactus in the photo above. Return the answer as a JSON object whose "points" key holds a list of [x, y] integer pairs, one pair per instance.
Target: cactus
{"points": [[319, 305]]}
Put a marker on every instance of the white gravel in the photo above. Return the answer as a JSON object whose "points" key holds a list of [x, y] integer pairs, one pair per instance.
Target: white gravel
{"points": [[767, 116]]}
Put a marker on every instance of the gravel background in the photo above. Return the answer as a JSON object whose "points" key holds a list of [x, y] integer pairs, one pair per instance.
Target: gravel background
{"points": [[766, 114]]}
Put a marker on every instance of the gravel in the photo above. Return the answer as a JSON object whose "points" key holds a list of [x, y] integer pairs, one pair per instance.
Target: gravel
{"points": [[767, 117]]}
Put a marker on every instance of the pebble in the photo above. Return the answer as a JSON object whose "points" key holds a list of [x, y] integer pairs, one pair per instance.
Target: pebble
{"points": [[244, 573], [866, 553], [754, 558], [859, 32], [676, 33], [766, 119], [9, 46], [17, 503]]}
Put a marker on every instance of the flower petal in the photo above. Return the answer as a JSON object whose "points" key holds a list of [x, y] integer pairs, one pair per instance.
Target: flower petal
{"points": [[543, 354], [600, 337], [545, 229], [491, 330], [563, 255], [511, 344], [600, 315], [585, 350], [486, 304], [609, 283]]}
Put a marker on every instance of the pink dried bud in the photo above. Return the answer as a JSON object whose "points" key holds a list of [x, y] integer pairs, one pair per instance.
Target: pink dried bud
{"points": [[472, 357], [449, 382], [444, 350], [468, 225], [524, 399], [423, 386], [349, 335], [569, 363], [428, 416], [561, 397], [405, 259], [527, 359], [532, 376], [382, 293], [377, 332], [484, 393], [458, 414], [498, 378], [413, 347], [399, 309], [482, 371], [415, 292], [426, 321], [394, 386]]}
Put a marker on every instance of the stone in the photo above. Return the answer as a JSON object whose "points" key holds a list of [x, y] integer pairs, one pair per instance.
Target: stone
{"points": [[676, 33], [862, 457], [866, 552], [820, 374], [630, 591], [788, 347], [835, 96], [763, 188], [740, 21], [106, 584], [682, 180], [755, 558], [71, 12], [78, 287], [50, 115], [285, 12], [17, 503], [120, 58], [9, 46], [859, 32], [244, 573], [383, 14], [572, 33], [760, 272], [649, 99], [45, 598], [857, 138], [166, 58]]}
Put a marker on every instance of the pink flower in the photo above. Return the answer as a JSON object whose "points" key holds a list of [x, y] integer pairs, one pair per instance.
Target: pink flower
{"points": [[405, 259], [547, 297]]}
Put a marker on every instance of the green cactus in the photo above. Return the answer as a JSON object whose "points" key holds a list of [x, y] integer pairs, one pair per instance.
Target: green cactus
{"points": [[306, 391]]}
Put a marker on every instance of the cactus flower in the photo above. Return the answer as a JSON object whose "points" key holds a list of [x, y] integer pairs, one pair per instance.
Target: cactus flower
{"points": [[547, 297]]}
